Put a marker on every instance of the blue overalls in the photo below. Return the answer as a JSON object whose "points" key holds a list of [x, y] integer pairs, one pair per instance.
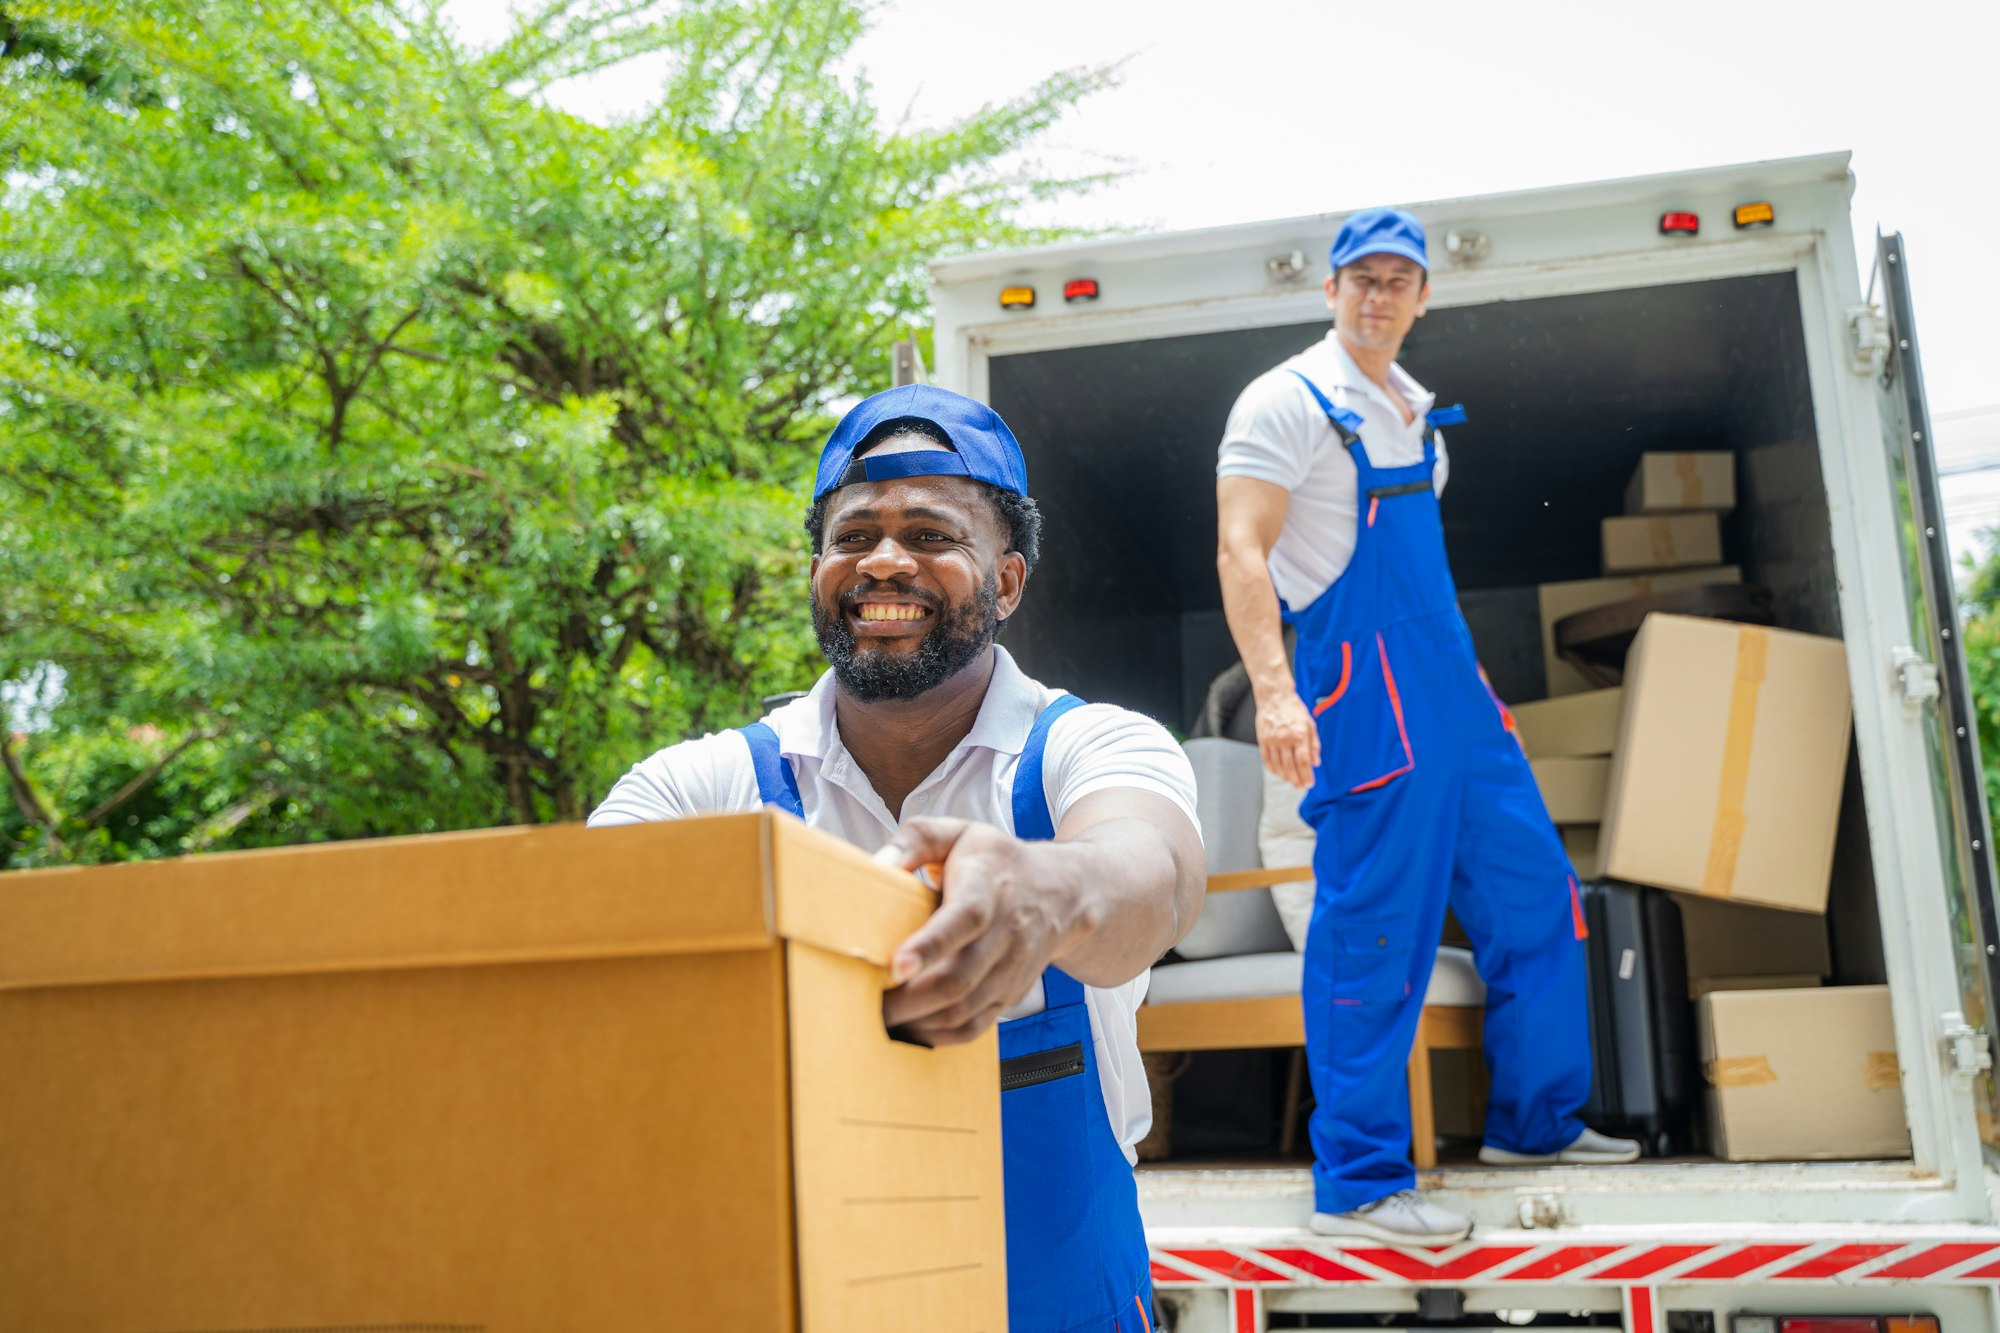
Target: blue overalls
{"points": [[1423, 796], [1076, 1250]]}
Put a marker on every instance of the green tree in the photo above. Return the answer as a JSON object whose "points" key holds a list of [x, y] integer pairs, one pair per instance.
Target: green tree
{"points": [[1981, 637], [384, 450]]}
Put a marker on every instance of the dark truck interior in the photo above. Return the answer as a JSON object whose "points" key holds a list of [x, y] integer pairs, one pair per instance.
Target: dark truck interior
{"points": [[1563, 395]]}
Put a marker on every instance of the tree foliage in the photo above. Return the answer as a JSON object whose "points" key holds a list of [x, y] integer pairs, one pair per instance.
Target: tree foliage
{"points": [[383, 449]]}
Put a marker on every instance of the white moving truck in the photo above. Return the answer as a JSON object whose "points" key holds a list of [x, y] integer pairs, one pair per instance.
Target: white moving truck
{"points": [[1580, 329]]}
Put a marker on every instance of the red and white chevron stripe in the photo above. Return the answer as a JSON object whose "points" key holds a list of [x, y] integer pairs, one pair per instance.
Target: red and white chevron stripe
{"points": [[1637, 1264]]}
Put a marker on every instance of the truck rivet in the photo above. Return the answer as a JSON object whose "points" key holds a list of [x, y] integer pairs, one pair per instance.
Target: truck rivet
{"points": [[1961, 731], [1930, 532], [1903, 343]]}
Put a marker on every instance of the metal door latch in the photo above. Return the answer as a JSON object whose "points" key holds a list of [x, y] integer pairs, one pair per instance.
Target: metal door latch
{"points": [[1540, 1211], [1286, 268], [1870, 338], [1969, 1050], [1917, 677]]}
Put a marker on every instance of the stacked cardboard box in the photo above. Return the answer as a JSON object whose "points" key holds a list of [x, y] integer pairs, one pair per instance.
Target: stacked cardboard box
{"points": [[1732, 749], [1569, 742], [1802, 1074], [1673, 510]]}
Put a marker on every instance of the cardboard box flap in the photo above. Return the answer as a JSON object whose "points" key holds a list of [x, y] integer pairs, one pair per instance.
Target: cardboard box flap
{"points": [[836, 897], [495, 896]]}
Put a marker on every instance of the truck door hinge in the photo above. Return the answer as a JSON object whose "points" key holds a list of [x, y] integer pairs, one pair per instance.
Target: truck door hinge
{"points": [[1968, 1049], [1869, 339], [1916, 677]]}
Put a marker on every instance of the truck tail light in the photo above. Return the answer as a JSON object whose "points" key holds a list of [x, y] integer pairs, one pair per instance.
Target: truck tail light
{"points": [[1754, 215], [1017, 298], [1680, 224], [1080, 289], [1911, 1323]]}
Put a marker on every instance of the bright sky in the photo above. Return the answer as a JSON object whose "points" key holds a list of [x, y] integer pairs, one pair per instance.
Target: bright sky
{"points": [[1277, 108]]}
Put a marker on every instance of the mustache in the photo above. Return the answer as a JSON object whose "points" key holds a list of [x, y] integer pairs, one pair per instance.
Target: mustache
{"points": [[849, 599]]}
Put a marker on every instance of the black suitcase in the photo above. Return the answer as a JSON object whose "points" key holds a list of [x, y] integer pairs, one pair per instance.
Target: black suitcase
{"points": [[1645, 1066]]}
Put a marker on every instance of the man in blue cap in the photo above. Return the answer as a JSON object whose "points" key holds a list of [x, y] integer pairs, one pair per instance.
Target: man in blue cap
{"points": [[1067, 832], [1327, 495]]}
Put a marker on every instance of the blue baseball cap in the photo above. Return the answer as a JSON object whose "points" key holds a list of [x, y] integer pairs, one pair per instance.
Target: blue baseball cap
{"points": [[1379, 231], [982, 447]]}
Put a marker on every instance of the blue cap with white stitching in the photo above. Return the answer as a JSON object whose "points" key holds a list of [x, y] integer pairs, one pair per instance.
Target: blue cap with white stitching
{"points": [[982, 446]]}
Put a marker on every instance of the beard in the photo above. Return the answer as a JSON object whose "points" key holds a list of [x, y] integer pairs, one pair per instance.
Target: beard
{"points": [[876, 675]]}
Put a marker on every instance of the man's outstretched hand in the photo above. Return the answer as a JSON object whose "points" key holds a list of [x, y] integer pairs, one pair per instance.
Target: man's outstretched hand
{"points": [[1003, 918]]}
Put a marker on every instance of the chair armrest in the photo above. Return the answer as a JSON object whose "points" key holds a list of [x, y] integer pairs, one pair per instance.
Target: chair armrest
{"points": [[1230, 881]]}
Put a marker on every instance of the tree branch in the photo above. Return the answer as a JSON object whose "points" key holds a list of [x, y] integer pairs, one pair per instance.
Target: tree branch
{"points": [[111, 804]]}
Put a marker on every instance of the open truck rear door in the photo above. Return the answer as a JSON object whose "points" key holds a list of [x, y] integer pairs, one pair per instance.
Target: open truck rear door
{"points": [[1934, 679]]}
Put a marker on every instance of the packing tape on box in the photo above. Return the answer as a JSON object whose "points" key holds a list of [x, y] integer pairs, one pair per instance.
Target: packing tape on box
{"points": [[1660, 536], [1882, 1071], [1725, 838], [1690, 481], [1740, 1071]]}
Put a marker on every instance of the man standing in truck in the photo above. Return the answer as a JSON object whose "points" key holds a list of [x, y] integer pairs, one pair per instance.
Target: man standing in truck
{"points": [[1066, 831], [1327, 496]]}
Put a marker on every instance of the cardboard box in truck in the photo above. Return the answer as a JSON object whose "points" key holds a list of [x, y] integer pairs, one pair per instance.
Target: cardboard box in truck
{"points": [[1576, 725], [1573, 789], [1731, 755], [1566, 599], [1802, 1074], [1661, 541], [531, 1079], [1732, 939], [1670, 483]]}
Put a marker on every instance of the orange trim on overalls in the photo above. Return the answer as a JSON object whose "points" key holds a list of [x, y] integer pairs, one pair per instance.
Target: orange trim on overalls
{"points": [[1346, 674], [1576, 911], [1374, 503], [1396, 705], [1145, 1320]]}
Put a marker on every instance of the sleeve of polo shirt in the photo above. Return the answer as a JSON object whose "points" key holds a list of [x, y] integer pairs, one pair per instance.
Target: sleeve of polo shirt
{"points": [[710, 776], [1270, 435], [1101, 747]]}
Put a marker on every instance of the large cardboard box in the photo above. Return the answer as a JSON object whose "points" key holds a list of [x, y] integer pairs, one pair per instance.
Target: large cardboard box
{"points": [[533, 1079], [1801, 1074], [1661, 541], [1728, 939], [1576, 725], [1731, 754], [1566, 599], [1573, 789], [1665, 483]]}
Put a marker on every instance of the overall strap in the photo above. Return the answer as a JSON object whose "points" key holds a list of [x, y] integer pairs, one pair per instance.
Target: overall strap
{"points": [[776, 784], [1346, 421], [1440, 416], [1033, 821]]}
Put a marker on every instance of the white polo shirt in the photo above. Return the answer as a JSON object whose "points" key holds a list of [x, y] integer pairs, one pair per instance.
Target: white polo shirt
{"points": [[1097, 747], [1277, 433]]}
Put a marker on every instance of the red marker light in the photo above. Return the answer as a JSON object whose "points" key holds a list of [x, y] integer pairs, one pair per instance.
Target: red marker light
{"points": [[1680, 224], [1080, 289]]}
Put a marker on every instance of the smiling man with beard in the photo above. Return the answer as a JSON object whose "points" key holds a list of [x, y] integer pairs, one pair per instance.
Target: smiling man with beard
{"points": [[1066, 830]]}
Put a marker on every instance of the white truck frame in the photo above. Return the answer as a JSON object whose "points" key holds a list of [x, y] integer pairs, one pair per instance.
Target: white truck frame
{"points": [[1683, 1246]]}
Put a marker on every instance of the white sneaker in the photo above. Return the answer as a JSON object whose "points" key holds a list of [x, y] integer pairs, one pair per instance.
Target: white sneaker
{"points": [[1404, 1218], [1589, 1148]]}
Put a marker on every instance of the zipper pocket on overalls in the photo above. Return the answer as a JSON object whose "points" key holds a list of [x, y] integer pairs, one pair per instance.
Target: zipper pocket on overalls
{"points": [[1024, 1071]]}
